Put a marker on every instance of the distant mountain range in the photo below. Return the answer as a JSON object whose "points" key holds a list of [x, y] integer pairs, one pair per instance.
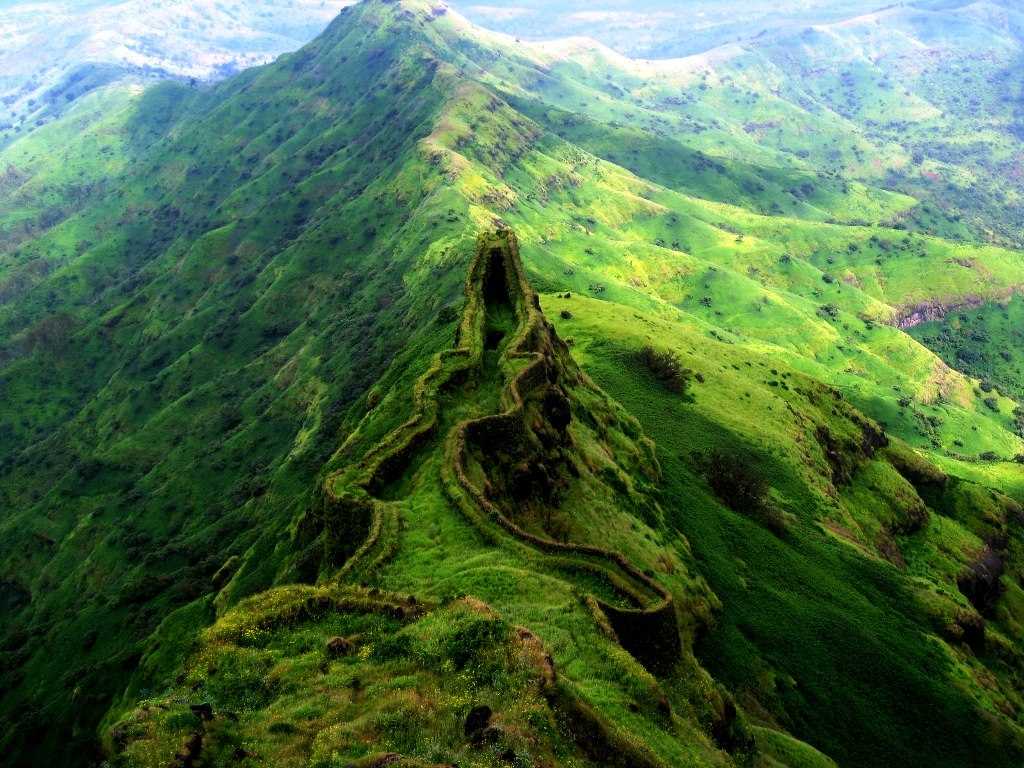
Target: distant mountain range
{"points": [[658, 28], [53, 52]]}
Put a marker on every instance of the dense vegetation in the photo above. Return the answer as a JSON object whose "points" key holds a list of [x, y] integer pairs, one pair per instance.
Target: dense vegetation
{"points": [[986, 342], [429, 398]]}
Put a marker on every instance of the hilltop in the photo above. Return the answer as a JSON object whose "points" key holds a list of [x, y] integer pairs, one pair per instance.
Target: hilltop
{"points": [[427, 396]]}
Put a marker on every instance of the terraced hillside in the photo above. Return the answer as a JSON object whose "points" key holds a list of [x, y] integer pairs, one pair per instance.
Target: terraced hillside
{"points": [[427, 397]]}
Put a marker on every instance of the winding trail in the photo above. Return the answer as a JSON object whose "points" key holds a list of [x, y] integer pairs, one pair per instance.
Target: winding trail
{"points": [[502, 336]]}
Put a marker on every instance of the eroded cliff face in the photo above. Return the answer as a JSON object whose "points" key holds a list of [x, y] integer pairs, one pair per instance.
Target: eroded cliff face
{"points": [[930, 311]]}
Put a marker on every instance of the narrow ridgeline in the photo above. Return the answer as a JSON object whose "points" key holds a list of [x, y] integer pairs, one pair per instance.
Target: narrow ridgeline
{"points": [[469, 585]]}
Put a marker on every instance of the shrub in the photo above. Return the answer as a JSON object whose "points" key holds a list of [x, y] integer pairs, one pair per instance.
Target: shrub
{"points": [[738, 484], [474, 638], [447, 314], [666, 368], [392, 647], [734, 481]]}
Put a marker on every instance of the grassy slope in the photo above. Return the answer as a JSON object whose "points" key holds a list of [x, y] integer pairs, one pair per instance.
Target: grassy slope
{"points": [[923, 101], [841, 275], [453, 657], [275, 268], [810, 632], [219, 315]]}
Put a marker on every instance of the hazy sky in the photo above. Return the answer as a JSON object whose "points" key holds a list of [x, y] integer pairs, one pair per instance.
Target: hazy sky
{"points": [[655, 27], [641, 27]]}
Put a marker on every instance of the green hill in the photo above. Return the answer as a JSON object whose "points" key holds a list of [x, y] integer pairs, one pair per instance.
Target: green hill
{"points": [[430, 398]]}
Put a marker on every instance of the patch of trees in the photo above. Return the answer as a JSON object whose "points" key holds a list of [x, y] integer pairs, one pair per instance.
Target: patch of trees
{"points": [[739, 485], [666, 367], [51, 334], [981, 583]]}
